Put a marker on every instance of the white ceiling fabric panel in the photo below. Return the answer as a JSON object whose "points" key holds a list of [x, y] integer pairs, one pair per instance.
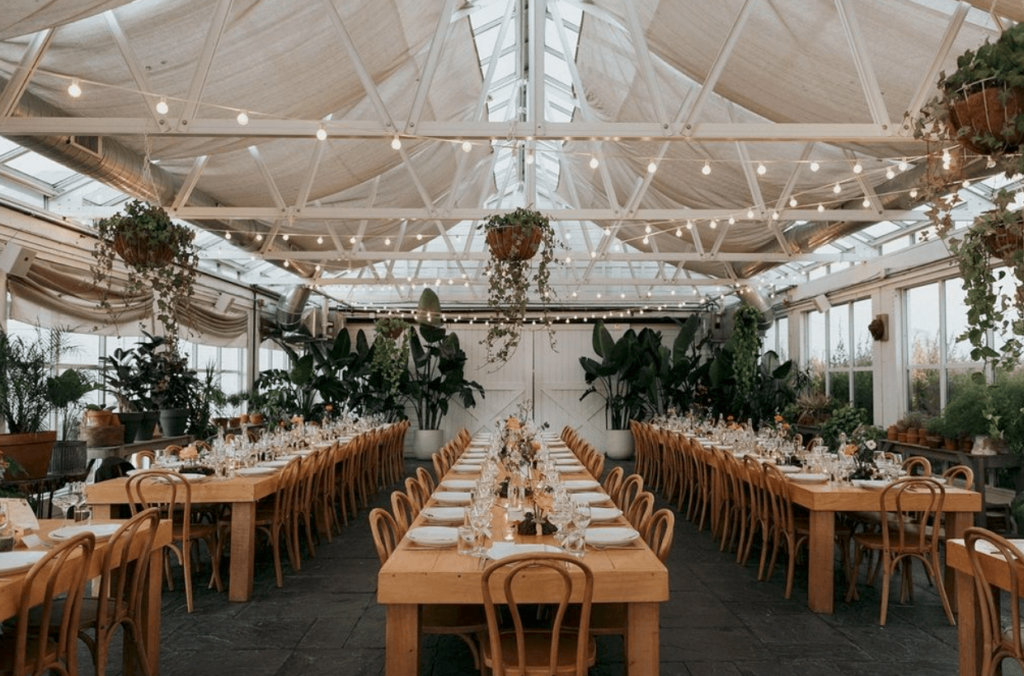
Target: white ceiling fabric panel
{"points": [[22, 17]]}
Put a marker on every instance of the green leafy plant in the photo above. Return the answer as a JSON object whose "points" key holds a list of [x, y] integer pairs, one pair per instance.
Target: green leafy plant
{"points": [[437, 375], [65, 392], [746, 348], [160, 257], [29, 391], [617, 376], [513, 239], [845, 420], [391, 351]]}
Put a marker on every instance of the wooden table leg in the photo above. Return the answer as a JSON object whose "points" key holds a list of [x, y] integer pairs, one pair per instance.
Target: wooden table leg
{"points": [[821, 552], [149, 629], [403, 640], [642, 639], [243, 550], [956, 524], [968, 625]]}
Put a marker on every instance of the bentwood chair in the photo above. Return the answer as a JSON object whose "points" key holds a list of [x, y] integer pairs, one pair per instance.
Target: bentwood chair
{"points": [[462, 620], [404, 510], [171, 493], [612, 484], [917, 465], [632, 486], [33, 647], [986, 550], [425, 480], [274, 518], [788, 530], [906, 533], [555, 650], [417, 492]]}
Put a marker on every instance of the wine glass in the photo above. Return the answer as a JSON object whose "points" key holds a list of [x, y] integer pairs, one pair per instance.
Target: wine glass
{"points": [[581, 515], [77, 489], [63, 501]]}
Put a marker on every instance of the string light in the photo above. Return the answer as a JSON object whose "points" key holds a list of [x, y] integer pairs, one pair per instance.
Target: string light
{"points": [[732, 220], [647, 239], [319, 240], [647, 229], [761, 169], [866, 203], [913, 193], [259, 238], [396, 143], [419, 236], [837, 189], [775, 215], [689, 225], [857, 168], [161, 106], [679, 232], [387, 241], [713, 224], [652, 167], [903, 165], [285, 236], [529, 157], [750, 213], [467, 146], [991, 163], [792, 201], [706, 169], [821, 207], [890, 174], [594, 163], [814, 165], [74, 89], [321, 133], [243, 118], [352, 240], [227, 235]]}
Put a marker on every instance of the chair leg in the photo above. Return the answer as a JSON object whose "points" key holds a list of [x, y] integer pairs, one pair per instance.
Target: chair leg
{"points": [[888, 566], [934, 570], [186, 567]]}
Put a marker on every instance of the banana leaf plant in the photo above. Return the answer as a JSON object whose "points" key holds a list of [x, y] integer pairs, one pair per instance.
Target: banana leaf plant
{"points": [[617, 376], [667, 376], [437, 375]]}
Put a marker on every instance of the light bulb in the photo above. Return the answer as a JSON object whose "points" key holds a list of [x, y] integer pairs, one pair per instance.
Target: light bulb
{"points": [[837, 189], [913, 193], [866, 203], [321, 134], [607, 232], [285, 236], [651, 168], [259, 238], [419, 236], [647, 240], [706, 169], [396, 143], [750, 213], [647, 229], [857, 168], [890, 174], [243, 118], [161, 106], [761, 169], [286, 263], [529, 157], [227, 235], [821, 208], [74, 89], [594, 163], [467, 146], [732, 220], [689, 225], [319, 240], [991, 163], [966, 183], [352, 240], [792, 201], [903, 165], [814, 165], [598, 294], [593, 254], [679, 232], [713, 224], [387, 241], [568, 259], [775, 215]]}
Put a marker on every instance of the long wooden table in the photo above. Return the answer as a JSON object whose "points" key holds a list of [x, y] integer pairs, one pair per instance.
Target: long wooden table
{"points": [[242, 493], [11, 586], [413, 577], [825, 500]]}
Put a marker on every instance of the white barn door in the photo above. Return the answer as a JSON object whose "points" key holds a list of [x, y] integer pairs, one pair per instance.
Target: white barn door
{"points": [[559, 383]]}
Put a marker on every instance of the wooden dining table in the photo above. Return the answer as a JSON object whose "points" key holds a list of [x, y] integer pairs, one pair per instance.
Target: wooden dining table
{"points": [[11, 588], [414, 576], [240, 493], [824, 500]]}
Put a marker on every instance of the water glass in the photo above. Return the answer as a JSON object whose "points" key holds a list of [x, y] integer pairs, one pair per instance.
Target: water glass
{"points": [[467, 540], [574, 542]]}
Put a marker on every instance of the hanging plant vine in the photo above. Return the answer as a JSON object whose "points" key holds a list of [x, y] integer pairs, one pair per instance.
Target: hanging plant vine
{"points": [[746, 343]]}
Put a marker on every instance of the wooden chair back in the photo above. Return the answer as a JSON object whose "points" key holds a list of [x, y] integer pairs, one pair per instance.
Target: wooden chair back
{"points": [[639, 512], [416, 492], [440, 466], [961, 476], [917, 465], [632, 486], [908, 524], [386, 535], [659, 533], [404, 510], [613, 483], [547, 655], [997, 644], [426, 480]]}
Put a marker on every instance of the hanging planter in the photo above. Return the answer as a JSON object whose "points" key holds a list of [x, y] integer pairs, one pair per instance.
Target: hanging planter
{"points": [[159, 255], [986, 117], [515, 239], [1003, 234]]}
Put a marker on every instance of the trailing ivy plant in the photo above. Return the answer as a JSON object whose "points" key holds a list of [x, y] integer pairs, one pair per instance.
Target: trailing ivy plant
{"points": [[159, 255], [511, 279], [746, 344], [391, 351]]}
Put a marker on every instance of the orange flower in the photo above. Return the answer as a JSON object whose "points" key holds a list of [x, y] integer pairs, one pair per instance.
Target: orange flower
{"points": [[778, 418], [189, 452], [850, 449], [535, 445]]}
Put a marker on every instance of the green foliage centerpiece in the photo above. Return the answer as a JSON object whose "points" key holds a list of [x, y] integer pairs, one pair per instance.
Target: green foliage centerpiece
{"points": [[514, 239], [159, 255]]}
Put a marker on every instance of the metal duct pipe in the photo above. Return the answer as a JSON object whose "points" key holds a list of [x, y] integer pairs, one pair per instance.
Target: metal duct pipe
{"points": [[288, 313], [122, 168], [753, 298]]}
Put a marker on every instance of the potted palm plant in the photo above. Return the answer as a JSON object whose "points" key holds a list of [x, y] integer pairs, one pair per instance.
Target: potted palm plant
{"points": [[437, 376], [65, 392], [514, 239], [616, 378]]}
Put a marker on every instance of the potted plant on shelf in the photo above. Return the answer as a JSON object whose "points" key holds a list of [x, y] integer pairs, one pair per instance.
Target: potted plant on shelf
{"points": [[514, 239], [437, 376], [65, 392], [125, 374], [174, 387], [160, 257], [616, 378]]}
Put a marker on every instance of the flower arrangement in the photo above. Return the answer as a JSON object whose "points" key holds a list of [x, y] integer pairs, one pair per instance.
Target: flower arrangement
{"points": [[514, 239]]}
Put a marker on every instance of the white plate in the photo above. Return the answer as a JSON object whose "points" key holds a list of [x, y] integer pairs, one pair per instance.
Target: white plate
{"points": [[433, 536], [444, 514], [194, 478], [581, 485], [871, 484], [275, 463], [603, 537], [567, 461], [789, 469], [593, 498], [501, 550], [604, 513], [100, 530], [808, 478], [467, 468], [452, 497], [472, 458], [255, 471], [571, 469], [302, 453], [457, 484], [18, 562]]}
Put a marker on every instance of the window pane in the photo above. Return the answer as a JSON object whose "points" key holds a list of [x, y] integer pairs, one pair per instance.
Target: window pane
{"points": [[863, 392], [783, 343], [956, 323], [862, 341], [816, 349], [231, 359], [206, 355], [924, 391], [839, 385], [923, 324], [839, 336]]}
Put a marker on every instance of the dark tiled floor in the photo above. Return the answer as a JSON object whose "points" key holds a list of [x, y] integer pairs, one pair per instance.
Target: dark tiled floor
{"points": [[720, 622]]}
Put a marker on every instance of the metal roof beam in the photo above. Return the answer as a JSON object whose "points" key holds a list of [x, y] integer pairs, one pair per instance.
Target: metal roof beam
{"points": [[16, 86], [195, 92]]}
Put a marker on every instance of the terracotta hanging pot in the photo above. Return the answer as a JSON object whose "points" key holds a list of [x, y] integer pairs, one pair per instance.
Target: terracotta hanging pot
{"points": [[987, 112], [140, 251], [513, 243]]}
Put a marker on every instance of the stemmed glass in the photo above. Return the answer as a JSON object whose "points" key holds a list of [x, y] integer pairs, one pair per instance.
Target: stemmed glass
{"points": [[77, 491], [480, 521], [63, 501]]}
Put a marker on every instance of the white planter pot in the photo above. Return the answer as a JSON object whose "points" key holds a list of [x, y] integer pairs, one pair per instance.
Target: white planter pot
{"points": [[618, 444], [427, 442]]}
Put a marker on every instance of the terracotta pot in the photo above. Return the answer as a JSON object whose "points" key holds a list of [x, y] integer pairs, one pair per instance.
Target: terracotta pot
{"points": [[966, 445], [987, 111], [256, 419], [901, 437], [243, 418], [508, 244], [892, 434], [98, 437], [234, 422], [32, 451], [933, 440], [103, 418], [949, 444], [140, 252]]}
